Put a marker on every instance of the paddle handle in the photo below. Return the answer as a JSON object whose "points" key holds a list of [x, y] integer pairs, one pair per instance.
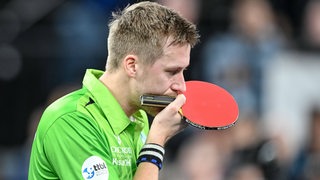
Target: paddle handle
{"points": [[155, 100]]}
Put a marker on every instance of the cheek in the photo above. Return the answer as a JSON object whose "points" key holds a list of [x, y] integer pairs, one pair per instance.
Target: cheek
{"points": [[155, 83]]}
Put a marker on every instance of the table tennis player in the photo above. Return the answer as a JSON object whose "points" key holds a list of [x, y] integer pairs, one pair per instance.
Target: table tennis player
{"points": [[101, 131]]}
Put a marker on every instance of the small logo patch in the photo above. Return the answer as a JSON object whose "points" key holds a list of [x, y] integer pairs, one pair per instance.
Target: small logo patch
{"points": [[143, 137], [94, 168]]}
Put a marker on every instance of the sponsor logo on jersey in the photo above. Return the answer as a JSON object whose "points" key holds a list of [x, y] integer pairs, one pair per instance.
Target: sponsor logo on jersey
{"points": [[121, 150], [121, 155], [94, 168], [121, 162]]}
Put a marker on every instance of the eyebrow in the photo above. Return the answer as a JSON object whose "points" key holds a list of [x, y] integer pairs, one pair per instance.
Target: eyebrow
{"points": [[177, 67]]}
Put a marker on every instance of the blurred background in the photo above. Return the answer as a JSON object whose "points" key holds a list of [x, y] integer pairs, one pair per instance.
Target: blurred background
{"points": [[265, 52]]}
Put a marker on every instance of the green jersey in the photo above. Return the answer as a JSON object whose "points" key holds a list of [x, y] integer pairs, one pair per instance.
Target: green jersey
{"points": [[87, 135]]}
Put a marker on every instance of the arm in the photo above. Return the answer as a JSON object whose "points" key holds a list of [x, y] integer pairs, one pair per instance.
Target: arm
{"points": [[164, 126]]}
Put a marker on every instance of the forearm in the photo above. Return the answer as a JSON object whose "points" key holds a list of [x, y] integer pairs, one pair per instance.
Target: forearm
{"points": [[147, 171], [164, 126], [150, 161]]}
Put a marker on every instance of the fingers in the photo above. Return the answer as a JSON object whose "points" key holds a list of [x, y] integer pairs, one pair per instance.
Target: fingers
{"points": [[177, 103], [168, 122]]}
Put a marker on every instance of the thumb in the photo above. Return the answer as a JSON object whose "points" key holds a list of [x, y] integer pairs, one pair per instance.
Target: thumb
{"points": [[177, 103]]}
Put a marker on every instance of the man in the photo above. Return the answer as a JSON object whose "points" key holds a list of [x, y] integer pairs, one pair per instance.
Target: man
{"points": [[101, 131]]}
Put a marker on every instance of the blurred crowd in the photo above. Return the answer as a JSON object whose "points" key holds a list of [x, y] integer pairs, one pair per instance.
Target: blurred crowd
{"points": [[266, 53]]}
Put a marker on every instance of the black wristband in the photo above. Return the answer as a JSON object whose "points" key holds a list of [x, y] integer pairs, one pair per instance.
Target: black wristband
{"points": [[151, 159], [152, 153]]}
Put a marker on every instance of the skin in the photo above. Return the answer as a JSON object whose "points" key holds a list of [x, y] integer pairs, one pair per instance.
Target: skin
{"points": [[164, 77]]}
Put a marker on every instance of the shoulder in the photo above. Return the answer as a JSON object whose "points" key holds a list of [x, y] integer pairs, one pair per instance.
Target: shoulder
{"points": [[66, 112]]}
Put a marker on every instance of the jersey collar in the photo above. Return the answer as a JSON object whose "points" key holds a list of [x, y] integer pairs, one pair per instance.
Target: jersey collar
{"points": [[106, 101]]}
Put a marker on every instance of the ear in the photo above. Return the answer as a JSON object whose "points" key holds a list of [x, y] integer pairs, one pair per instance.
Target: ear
{"points": [[130, 65]]}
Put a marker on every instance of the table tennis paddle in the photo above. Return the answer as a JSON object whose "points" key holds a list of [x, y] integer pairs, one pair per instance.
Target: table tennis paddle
{"points": [[208, 106]]}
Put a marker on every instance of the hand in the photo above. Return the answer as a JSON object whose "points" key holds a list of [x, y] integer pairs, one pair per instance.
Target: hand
{"points": [[168, 122]]}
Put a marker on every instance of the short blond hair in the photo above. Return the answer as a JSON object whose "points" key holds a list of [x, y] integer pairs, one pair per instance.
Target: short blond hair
{"points": [[143, 29]]}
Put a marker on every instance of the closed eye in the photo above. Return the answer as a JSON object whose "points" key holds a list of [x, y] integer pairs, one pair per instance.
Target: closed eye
{"points": [[174, 71]]}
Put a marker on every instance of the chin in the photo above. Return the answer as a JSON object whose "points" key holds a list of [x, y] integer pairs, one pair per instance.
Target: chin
{"points": [[153, 111]]}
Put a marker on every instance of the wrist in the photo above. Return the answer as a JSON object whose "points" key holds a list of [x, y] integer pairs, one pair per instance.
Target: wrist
{"points": [[156, 140], [151, 153], [156, 136]]}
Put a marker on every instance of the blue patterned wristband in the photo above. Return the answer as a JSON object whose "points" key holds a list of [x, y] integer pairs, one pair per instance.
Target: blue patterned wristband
{"points": [[151, 159]]}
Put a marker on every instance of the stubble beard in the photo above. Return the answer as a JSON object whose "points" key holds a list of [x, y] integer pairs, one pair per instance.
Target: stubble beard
{"points": [[152, 111]]}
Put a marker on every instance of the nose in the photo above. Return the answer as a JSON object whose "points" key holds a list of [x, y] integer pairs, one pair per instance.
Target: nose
{"points": [[179, 84]]}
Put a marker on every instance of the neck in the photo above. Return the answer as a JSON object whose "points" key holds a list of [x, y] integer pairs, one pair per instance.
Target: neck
{"points": [[118, 85]]}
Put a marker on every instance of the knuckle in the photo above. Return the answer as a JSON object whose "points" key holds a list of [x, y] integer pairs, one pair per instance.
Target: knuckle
{"points": [[173, 109]]}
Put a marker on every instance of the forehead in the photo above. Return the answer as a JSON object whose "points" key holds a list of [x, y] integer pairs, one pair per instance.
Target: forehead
{"points": [[178, 55]]}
